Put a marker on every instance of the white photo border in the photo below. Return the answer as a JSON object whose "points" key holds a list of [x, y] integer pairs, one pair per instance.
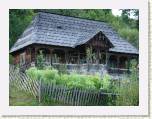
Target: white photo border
{"points": [[141, 110]]}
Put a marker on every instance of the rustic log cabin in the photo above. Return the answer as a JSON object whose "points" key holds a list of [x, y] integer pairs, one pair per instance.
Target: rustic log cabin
{"points": [[64, 39]]}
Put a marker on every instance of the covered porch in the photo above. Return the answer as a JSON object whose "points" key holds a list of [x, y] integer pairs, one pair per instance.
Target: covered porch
{"points": [[114, 62]]}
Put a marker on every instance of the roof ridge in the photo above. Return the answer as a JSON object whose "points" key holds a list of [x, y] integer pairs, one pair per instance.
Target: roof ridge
{"points": [[76, 31], [72, 17], [80, 18]]}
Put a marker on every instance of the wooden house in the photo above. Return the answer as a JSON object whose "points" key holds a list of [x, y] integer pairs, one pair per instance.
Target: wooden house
{"points": [[64, 39]]}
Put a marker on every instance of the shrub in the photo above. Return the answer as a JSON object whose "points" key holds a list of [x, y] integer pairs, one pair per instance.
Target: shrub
{"points": [[129, 89], [129, 94], [96, 80], [47, 75], [63, 79], [50, 75], [80, 81], [105, 82], [134, 71], [85, 81], [73, 80], [33, 73]]}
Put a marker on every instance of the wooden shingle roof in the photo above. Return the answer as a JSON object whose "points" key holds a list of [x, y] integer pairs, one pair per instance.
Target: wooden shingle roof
{"points": [[58, 30]]}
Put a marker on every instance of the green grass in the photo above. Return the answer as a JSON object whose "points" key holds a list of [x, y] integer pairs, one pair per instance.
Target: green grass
{"points": [[22, 98]]}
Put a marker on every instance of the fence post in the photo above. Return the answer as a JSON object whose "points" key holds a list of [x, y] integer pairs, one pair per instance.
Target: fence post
{"points": [[40, 83]]}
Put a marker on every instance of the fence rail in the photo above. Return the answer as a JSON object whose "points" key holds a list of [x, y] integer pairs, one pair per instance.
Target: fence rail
{"points": [[41, 90]]}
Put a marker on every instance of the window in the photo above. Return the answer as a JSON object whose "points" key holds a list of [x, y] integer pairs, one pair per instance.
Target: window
{"points": [[22, 58]]}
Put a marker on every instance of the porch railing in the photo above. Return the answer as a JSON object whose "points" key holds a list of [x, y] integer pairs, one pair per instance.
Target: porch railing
{"points": [[118, 71], [110, 70]]}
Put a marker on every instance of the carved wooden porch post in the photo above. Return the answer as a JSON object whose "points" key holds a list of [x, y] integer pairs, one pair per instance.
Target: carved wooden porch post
{"points": [[128, 61], [33, 53], [78, 57], [51, 55], [118, 61], [98, 56], [107, 58], [66, 56]]}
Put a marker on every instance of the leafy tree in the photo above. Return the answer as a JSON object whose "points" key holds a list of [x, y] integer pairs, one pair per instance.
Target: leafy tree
{"points": [[132, 35], [126, 14], [19, 19]]}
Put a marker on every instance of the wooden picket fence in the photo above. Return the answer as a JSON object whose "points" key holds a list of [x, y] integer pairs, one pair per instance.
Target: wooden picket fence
{"points": [[23, 82], [63, 94], [74, 96]]}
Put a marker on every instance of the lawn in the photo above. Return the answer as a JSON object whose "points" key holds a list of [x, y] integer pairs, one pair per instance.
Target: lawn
{"points": [[22, 98]]}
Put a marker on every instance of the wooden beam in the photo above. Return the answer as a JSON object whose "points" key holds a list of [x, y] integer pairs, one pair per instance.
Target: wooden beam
{"points": [[78, 57], [51, 55], [98, 52], [107, 58], [66, 56], [118, 61]]}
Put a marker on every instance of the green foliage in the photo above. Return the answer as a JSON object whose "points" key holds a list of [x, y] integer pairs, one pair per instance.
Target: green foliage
{"points": [[33, 73], [23, 98], [134, 72], [50, 76], [64, 78], [132, 35], [47, 75], [126, 14], [10, 59], [96, 80], [80, 81], [106, 82], [72, 80], [129, 94], [40, 60], [19, 19], [129, 89]]}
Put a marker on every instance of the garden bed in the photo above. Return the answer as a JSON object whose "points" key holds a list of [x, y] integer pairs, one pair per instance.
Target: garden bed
{"points": [[48, 85]]}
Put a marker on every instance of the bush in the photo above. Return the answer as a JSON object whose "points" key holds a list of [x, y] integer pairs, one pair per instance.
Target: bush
{"points": [[50, 75], [63, 79], [134, 70], [96, 80], [129, 90], [33, 73], [80, 81], [73, 80], [129, 94], [106, 82], [47, 75]]}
